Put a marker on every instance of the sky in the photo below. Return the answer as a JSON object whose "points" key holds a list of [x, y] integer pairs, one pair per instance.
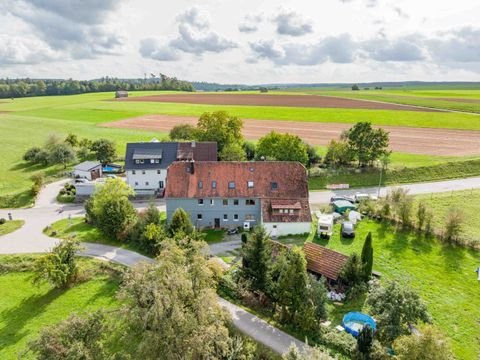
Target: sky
{"points": [[245, 42]]}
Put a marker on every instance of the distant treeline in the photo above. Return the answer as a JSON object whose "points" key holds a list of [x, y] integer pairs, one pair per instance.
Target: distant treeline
{"points": [[15, 88], [206, 86]]}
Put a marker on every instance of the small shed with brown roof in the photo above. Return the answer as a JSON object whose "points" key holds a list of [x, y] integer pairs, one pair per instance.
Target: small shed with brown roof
{"points": [[323, 261]]}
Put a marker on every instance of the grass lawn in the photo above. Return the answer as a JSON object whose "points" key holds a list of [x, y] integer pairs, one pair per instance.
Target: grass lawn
{"points": [[468, 201], [213, 236], [11, 226], [443, 275], [25, 308], [77, 227], [81, 114]]}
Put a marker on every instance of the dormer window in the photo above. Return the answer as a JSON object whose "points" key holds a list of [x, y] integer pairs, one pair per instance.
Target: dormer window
{"points": [[152, 161], [250, 184], [231, 185]]}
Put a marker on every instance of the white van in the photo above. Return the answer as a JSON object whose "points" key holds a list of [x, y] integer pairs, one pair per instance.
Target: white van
{"points": [[325, 225]]}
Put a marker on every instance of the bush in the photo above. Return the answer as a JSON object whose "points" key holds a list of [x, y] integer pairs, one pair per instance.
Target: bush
{"points": [[339, 341], [31, 154], [2, 221], [453, 224]]}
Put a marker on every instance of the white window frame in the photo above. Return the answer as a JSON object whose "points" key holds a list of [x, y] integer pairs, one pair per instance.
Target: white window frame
{"points": [[200, 202], [235, 217], [200, 217], [212, 202], [250, 184], [225, 217]]}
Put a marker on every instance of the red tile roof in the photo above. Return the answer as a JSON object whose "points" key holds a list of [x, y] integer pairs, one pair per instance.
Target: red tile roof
{"points": [[323, 261], [290, 178], [198, 151]]}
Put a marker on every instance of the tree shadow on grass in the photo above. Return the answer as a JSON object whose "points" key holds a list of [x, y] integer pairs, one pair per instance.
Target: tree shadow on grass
{"points": [[453, 256], [108, 290], [18, 200], [16, 318], [421, 243]]}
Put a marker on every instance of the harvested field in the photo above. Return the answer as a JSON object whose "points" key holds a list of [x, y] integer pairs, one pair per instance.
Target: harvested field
{"points": [[402, 139], [314, 101]]}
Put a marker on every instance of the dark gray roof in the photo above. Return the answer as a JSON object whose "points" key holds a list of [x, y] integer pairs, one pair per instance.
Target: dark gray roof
{"points": [[165, 151], [86, 165]]}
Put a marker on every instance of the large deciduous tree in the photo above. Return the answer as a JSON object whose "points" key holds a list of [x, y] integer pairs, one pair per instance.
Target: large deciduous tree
{"points": [[366, 143], [104, 150], [220, 127], [395, 307], [282, 147], [110, 209], [61, 153]]}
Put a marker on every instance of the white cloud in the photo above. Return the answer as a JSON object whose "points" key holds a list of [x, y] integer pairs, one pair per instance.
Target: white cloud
{"points": [[292, 23], [15, 50]]}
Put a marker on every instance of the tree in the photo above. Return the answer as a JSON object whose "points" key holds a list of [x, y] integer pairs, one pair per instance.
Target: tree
{"points": [[110, 209], [180, 223], [453, 224], [395, 307], [282, 147], [72, 140], [104, 150], [31, 154], [249, 149], [59, 267], [61, 153], [338, 153], [232, 152], [365, 341], [421, 215], [367, 257], [183, 132], [366, 143], [312, 353], [355, 87], [172, 307], [429, 344], [51, 142], [74, 338], [220, 127], [257, 258], [352, 272], [312, 155]]}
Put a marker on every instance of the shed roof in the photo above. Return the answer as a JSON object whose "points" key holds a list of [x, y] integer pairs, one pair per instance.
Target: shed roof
{"points": [[87, 165], [323, 261]]}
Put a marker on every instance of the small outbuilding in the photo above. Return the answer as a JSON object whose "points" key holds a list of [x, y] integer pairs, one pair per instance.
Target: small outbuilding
{"points": [[324, 262], [89, 170], [340, 206], [121, 94]]}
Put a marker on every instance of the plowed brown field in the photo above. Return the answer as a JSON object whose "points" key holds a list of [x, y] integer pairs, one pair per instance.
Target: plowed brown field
{"points": [[402, 139], [313, 101]]}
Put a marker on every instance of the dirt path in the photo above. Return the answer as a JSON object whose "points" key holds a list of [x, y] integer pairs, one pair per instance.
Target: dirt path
{"points": [[402, 139], [311, 101]]}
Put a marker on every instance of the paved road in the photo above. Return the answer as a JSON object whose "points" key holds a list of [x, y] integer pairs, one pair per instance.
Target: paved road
{"points": [[318, 198], [30, 239]]}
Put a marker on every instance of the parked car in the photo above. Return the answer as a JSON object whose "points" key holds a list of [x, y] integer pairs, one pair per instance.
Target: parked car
{"points": [[347, 229], [364, 196], [339, 197], [232, 231]]}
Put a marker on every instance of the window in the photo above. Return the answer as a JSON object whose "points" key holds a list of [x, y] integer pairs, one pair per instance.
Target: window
{"points": [[136, 183], [199, 216], [200, 201], [141, 161], [137, 161], [250, 202], [143, 172], [235, 217], [280, 211], [152, 161], [249, 217], [274, 185], [225, 202], [158, 172], [225, 217], [212, 202], [133, 172], [250, 184], [214, 184], [235, 202], [231, 185], [161, 184], [157, 161], [200, 184], [146, 183], [291, 211]]}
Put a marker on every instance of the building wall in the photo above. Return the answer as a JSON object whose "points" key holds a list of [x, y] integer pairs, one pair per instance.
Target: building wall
{"points": [[287, 228], [139, 180], [216, 210], [86, 174]]}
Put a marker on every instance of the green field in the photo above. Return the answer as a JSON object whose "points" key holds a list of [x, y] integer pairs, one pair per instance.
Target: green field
{"points": [[468, 201], [27, 122], [443, 275], [457, 100], [27, 308]]}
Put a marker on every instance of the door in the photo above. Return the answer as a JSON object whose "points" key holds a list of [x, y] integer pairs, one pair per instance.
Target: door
{"points": [[217, 223], [161, 184]]}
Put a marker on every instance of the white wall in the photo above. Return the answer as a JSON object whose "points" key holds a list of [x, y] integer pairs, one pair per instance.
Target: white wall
{"points": [[82, 174], [287, 228], [151, 177]]}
